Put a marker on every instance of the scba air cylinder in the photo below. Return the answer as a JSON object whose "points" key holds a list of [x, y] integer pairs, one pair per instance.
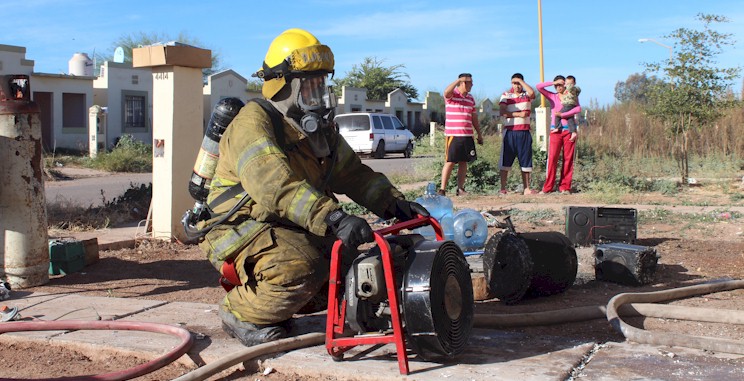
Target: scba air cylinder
{"points": [[24, 259], [206, 162]]}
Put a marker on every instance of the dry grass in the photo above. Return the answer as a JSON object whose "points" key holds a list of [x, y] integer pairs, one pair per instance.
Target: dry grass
{"points": [[624, 130], [131, 206]]}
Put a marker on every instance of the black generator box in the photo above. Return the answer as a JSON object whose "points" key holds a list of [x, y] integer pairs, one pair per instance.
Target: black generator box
{"points": [[588, 225], [623, 263]]}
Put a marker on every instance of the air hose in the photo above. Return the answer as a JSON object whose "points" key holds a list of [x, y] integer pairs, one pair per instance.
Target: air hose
{"points": [[127, 374]]}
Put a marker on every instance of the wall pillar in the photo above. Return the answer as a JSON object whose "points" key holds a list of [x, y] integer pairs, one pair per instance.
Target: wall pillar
{"points": [[542, 125], [177, 130]]}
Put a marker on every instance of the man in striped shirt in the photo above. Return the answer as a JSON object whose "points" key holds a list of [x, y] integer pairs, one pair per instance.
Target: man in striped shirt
{"points": [[460, 120], [515, 106]]}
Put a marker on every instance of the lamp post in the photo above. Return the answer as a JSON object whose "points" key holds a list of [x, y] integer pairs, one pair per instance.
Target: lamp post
{"points": [[671, 51], [541, 113]]}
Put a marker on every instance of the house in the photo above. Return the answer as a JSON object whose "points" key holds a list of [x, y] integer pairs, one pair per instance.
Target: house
{"points": [[126, 95], [225, 84], [119, 98], [63, 99], [354, 99]]}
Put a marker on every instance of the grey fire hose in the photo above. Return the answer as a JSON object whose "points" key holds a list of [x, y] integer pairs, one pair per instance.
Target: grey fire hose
{"points": [[621, 304], [662, 338], [302, 341]]}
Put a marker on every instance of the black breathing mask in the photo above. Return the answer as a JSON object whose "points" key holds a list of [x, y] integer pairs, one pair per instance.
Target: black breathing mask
{"points": [[317, 102]]}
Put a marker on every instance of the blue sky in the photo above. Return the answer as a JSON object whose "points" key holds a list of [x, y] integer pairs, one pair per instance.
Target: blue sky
{"points": [[596, 41]]}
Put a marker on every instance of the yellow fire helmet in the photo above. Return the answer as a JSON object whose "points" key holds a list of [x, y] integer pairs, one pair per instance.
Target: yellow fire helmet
{"points": [[295, 52]]}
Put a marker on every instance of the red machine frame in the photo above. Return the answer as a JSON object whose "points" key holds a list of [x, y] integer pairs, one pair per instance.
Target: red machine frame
{"points": [[336, 319]]}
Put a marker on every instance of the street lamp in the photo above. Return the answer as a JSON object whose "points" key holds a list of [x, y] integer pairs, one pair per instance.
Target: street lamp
{"points": [[642, 40]]}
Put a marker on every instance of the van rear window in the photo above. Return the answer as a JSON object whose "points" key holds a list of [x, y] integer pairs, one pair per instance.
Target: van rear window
{"points": [[353, 122]]}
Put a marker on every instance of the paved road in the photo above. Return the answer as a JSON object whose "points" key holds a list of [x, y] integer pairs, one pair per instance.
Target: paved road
{"points": [[91, 191], [91, 187]]}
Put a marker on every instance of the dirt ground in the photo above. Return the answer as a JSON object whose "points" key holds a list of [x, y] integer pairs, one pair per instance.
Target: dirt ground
{"points": [[694, 247]]}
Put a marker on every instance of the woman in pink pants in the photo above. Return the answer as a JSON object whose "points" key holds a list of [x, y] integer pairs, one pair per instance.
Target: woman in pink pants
{"points": [[561, 140]]}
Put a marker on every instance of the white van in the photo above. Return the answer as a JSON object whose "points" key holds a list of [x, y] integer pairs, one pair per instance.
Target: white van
{"points": [[375, 133]]}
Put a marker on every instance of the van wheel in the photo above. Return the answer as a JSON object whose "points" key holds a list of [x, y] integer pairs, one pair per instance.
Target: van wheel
{"points": [[409, 150], [380, 152]]}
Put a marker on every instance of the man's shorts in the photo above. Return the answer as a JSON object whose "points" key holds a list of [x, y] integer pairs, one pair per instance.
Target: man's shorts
{"points": [[459, 149], [516, 144]]}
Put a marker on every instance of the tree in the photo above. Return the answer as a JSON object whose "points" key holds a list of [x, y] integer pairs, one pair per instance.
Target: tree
{"points": [[379, 80], [135, 40], [696, 93], [635, 88]]}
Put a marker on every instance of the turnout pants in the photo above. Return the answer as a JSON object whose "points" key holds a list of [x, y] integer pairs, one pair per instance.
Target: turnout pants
{"points": [[281, 270]]}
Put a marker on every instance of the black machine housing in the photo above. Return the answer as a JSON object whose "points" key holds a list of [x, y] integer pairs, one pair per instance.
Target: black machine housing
{"points": [[587, 225], [627, 264], [436, 294]]}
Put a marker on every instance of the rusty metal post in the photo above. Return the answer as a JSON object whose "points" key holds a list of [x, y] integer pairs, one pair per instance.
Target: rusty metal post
{"points": [[24, 250]]}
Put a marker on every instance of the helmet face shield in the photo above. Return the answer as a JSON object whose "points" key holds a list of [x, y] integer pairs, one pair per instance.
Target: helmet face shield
{"points": [[314, 94]]}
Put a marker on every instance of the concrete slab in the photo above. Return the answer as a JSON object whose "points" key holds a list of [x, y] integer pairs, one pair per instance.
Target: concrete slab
{"points": [[74, 307], [630, 361], [491, 355], [201, 320]]}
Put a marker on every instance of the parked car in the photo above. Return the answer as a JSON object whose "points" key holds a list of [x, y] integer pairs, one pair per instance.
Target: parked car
{"points": [[375, 133]]}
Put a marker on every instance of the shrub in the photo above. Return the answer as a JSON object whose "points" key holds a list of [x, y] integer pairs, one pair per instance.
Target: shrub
{"points": [[129, 155]]}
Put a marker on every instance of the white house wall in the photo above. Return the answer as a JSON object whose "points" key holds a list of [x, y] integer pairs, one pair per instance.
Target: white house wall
{"points": [[225, 84], [115, 79], [13, 61], [106, 91], [73, 137]]}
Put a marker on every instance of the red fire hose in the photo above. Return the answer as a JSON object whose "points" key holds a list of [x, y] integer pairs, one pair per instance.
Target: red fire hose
{"points": [[148, 367]]}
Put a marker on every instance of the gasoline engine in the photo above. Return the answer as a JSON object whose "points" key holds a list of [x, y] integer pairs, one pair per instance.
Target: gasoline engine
{"points": [[434, 298]]}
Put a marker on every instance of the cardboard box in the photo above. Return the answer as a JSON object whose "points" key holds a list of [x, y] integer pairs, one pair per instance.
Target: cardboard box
{"points": [[90, 246], [171, 55], [65, 256]]}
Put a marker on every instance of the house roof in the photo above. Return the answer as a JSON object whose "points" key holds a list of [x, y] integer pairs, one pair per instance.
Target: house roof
{"points": [[64, 76]]}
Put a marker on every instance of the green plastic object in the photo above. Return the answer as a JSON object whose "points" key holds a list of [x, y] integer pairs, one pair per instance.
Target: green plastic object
{"points": [[65, 256]]}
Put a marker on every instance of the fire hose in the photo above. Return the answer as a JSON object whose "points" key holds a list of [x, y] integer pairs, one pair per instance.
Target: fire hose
{"points": [[621, 304], [639, 304], [148, 367], [626, 304]]}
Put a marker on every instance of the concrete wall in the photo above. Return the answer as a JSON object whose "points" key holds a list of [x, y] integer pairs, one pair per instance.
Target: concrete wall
{"points": [[73, 136], [225, 84], [115, 81], [13, 61], [351, 99]]}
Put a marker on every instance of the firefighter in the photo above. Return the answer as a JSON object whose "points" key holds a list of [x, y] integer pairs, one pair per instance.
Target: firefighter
{"points": [[274, 252]]}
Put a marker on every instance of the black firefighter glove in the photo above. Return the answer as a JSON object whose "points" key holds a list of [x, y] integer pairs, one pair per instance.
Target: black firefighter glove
{"points": [[405, 210], [351, 230]]}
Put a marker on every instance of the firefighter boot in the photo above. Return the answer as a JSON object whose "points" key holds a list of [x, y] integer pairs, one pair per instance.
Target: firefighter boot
{"points": [[250, 334]]}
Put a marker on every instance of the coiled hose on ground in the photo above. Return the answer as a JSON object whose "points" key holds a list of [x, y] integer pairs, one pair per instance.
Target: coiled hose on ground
{"points": [[66, 325], [621, 304]]}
